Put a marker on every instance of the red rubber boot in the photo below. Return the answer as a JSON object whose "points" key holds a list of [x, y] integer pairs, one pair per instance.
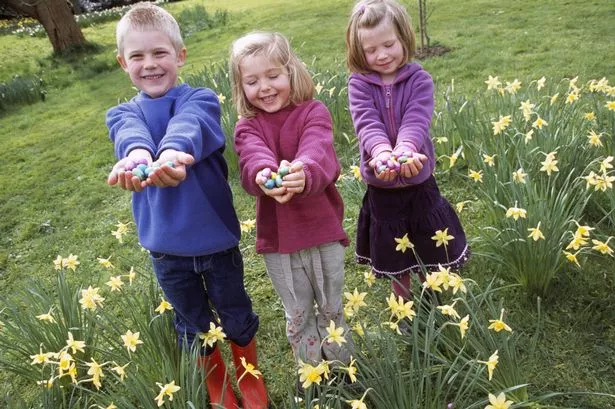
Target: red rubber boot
{"points": [[217, 380], [253, 391]]}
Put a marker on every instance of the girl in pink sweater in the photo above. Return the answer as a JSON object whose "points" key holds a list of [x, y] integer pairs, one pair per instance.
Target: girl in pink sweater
{"points": [[299, 229]]}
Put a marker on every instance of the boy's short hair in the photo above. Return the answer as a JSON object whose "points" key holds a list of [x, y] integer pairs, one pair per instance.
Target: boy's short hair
{"points": [[276, 47], [148, 17], [368, 14]]}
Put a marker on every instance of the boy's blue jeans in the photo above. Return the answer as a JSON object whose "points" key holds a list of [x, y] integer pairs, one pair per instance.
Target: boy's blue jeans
{"points": [[198, 286]]}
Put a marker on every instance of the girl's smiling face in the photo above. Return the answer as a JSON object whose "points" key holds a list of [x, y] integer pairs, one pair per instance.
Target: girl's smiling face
{"points": [[265, 84], [151, 61], [383, 50]]}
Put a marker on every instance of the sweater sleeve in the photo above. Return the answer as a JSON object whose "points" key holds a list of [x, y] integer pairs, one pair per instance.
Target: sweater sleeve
{"points": [[316, 150], [416, 118], [127, 130], [254, 154], [370, 129], [195, 126]]}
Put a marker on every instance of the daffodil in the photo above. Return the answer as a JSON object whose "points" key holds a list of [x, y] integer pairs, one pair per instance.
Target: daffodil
{"points": [[554, 98], [309, 374], [449, 310], [352, 370], [463, 325], [498, 324], [74, 345], [519, 176], [441, 237], [115, 282], [461, 205], [212, 336], [528, 136], [516, 212], [513, 87], [120, 370], [493, 83], [163, 306], [90, 299], [604, 182], [444, 274], [578, 241], [57, 263], [602, 246], [358, 329], [369, 278], [549, 165], [355, 299], [47, 316], [356, 172], [131, 275], [498, 402], [453, 159], [247, 226], [433, 281], [501, 124], [594, 138], [540, 83], [95, 369], [131, 340], [489, 159], [41, 357], [590, 116], [539, 123], [166, 390], [105, 262], [71, 262], [403, 243], [358, 403], [610, 105], [249, 368], [48, 383], [572, 97], [335, 334], [605, 164], [400, 308], [456, 283], [476, 176], [535, 233], [221, 98], [527, 109], [491, 363], [572, 257]]}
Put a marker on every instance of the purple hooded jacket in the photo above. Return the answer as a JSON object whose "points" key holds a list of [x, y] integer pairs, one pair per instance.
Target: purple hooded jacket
{"points": [[393, 117]]}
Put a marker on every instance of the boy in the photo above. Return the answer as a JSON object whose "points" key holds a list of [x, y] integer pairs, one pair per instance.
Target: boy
{"points": [[184, 213]]}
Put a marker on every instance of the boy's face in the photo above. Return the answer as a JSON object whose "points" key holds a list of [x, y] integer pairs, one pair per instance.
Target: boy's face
{"points": [[151, 61]]}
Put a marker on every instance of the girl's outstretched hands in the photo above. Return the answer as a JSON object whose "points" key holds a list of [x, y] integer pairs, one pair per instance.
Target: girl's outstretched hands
{"points": [[295, 180], [167, 176], [125, 179], [388, 174], [413, 166], [278, 193]]}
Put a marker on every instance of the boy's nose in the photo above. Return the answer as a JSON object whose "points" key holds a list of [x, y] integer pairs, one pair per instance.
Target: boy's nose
{"points": [[150, 62]]}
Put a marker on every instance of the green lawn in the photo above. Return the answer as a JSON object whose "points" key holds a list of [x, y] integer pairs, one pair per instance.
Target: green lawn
{"points": [[54, 199]]}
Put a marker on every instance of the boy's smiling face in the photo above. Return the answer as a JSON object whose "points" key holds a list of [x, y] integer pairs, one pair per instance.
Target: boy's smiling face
{"points": [[151, 61]]}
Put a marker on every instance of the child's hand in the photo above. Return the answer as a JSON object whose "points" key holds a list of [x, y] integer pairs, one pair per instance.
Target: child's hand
{"points": [[279, 194], [125, 179], [167, 176], [388, 174], [295, 180], [414, 165]]}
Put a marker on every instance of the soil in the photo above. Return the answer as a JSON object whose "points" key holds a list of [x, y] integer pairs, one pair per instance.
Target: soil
{"points": [[435, 51]]}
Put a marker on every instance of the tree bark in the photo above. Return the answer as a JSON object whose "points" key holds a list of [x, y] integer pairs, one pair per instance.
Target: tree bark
{"points": [[56, 18]]}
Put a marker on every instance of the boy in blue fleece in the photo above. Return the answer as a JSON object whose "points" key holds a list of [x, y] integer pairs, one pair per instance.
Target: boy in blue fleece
{"points": [[184, 213]]}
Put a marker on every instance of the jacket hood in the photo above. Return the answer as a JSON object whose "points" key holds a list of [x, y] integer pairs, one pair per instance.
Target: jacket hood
{"points": [[403, 74]]}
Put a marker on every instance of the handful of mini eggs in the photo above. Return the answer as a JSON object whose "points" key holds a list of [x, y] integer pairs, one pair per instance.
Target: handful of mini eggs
{"points": [[140, 169], [394, 162], [274, 179]]}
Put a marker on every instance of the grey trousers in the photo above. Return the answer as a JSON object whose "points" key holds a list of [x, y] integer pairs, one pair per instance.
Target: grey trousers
{"points": [[302, 279]]}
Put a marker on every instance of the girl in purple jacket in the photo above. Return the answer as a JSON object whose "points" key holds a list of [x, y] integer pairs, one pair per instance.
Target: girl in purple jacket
{"points": [[299, 217], [404, 223]]}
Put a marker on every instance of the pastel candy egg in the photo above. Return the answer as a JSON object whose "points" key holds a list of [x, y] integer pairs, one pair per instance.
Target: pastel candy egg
{"points": [[381, 168], [141, 161], [379, 163], [391, 164], [266, 172], [170, 164], [129, 165], [142, 167], [270, 184], [403, 159], [283, 171], [148, 171], [138, 173], [278, 181], [156, 165]]}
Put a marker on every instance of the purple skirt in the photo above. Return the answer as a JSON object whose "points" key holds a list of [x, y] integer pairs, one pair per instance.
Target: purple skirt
{"points": [[419, 211]]}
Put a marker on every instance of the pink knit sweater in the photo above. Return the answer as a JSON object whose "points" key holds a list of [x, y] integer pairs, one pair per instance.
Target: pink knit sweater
{"points": [[298, 132]]}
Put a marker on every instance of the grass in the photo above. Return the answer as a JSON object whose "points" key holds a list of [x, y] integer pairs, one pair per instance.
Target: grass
{"points": [[54, 200]]}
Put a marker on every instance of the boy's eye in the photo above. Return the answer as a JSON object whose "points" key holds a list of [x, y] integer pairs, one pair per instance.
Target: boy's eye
{"points": [[160, 53], [136, 57]]}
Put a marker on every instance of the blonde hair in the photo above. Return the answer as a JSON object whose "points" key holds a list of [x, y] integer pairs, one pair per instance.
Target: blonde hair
{"points": [[275, 47], [148, 17], [368, 14]]}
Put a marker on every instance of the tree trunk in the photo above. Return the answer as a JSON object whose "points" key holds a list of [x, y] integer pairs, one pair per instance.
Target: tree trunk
{"points": [[56, 18]]}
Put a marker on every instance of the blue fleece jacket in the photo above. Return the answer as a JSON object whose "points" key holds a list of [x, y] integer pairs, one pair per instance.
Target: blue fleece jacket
{"points": [[196, 217]]}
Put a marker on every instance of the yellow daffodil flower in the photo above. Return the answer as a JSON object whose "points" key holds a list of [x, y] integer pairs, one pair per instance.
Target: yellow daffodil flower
{"points": [[516, 212], [403, 243], [131, 340], [498, 403], [57, 263], [489, 159], [539, 123], [605, 164], [577, 242], [47, 316], [249, 369], [590, 116], [247, 226], [463, 325], [461, 205], [358, 403], [572, 257], [90, 299], [120, 370], [501, 124], [355, 299], [572, 97], [535, 233], [449, 310], [166, 390], [356, 172], [105, 262], [476, 176], [41, 357], [540, 84], [352, 370], [527, 109], [519, 176], [71, 262], [499, 325], [318, 87], [163, 306], [610, 105], [96, 372], [594, 138], [441, 237], [309, 374], [74, 345], [513, 87], [335, 334], [554, 98], [221, 98], [528, 136], [602, 246], [433, 281], [369, 278], [456, 283], [212, 336], [491, 363], [115, 282], [492, 83]]}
